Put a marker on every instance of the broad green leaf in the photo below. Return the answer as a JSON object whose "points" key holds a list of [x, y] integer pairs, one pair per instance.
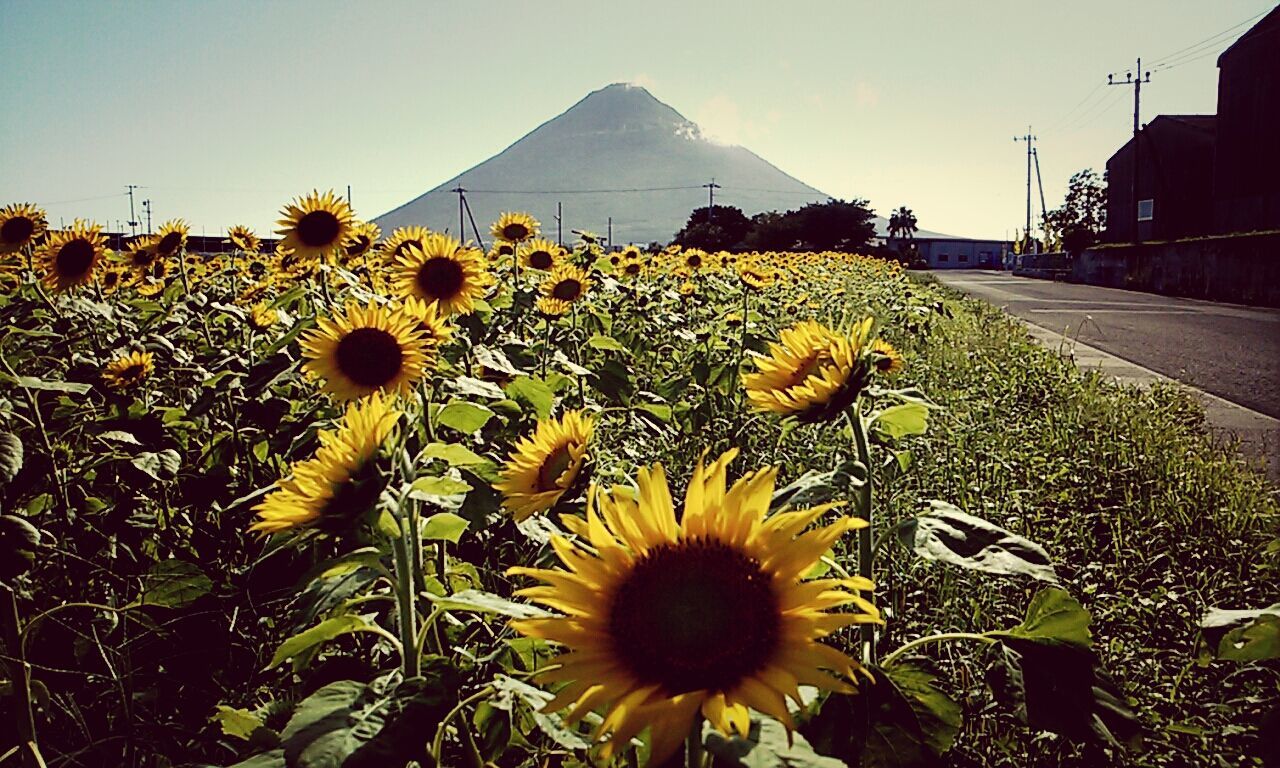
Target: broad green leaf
{"points": [[300, 645], [660, 410], [1053, 616], [939, 717], [511, 690], [439, 486], [454, 454], [19, 545], [10, 457], [469, 387], [949, 535], [606, 342], [1060, 687], [767, 745], [444, 526], [173, 584], [814, 488], [485, 602], [464, 416], [534, 393], [32, 382], [162, 466], [904, 419], [120, 436], [271, 759], [235, 722], [1244, 635]]}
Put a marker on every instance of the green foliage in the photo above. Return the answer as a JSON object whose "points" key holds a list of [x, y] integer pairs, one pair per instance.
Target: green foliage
{"points": [[949, 535]]}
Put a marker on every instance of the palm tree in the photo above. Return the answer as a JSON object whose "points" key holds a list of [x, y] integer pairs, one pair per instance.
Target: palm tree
{"points": [[902, 222]]}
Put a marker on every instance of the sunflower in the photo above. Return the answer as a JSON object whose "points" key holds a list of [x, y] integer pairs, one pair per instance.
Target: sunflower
{"points": [[567, 283], [70, 255], [332, 488], [551, 307], [20, 225], [128, 370], [885, 358], [262, 316], [711, 614], [171, 238], [515, 227], [444, 272], [630, 269], [757, 276], [365, 350], [432, 327], [546, 464], [361, 239], [693, 259], [500, 251], [243, 238], [813, 373], [316, 224], [402, 239], [141, 253], [539, 254], [112, 278]]}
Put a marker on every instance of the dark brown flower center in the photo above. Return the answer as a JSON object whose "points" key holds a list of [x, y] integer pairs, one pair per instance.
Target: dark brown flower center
{"points": [[540, 260], [505, 249], [632, 269], [441, 277], [552, 468], [515, 231], [693, 260], [318, 229], [169, 243], [142, 257], [75, 258], [133, 372], [568, 289], [371, 357], [17, 230], [695, 616], [404, 247]]}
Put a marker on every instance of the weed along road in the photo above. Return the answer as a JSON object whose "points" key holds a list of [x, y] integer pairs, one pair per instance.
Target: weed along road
{"points": [[1228, 350]]}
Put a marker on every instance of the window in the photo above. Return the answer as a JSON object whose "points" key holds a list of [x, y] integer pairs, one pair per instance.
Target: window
{"points": [[943, 257], [964, 257], [1146, 210]]}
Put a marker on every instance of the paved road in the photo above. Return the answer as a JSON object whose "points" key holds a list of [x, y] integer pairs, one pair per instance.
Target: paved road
{"points": [[1228, 350]]}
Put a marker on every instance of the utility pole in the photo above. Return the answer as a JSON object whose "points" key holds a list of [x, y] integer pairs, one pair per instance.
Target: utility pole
{"points": [[146, 206], [1136, 82], [462, 209], [559, 224], [133, 219], [711, 197], [609, 240], [1030, 140], [1044, 212], [349, 196], [474, 229]]}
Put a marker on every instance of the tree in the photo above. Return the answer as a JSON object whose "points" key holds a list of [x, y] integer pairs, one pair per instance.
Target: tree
{"points": [[1083, 214], [835, 225], [717, 229], [772, 231], [902, 223]]}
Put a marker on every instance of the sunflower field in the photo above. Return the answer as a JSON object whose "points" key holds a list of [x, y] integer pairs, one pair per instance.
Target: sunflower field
{"points": [[353, 498]]}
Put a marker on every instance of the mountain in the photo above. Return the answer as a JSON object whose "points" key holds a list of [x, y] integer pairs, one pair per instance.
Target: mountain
{"points": [[617, 153]]}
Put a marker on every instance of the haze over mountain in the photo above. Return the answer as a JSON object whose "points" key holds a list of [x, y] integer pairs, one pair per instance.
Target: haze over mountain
{"points": [[617, 153]]}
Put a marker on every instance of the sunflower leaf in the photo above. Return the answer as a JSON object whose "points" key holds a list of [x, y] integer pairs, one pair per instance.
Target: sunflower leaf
{"points": [[173, 584], [10, 456], [236, 722], [947, 534], [464, 416], [898, 421], [534, 393], [444, 526], [1245, 635], [31, 382], [485, 602], [767, 745], [1053, 616], [299, 646]]}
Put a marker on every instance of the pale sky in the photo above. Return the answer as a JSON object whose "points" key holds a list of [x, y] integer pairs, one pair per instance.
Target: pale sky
{"points": [[223, 111]]}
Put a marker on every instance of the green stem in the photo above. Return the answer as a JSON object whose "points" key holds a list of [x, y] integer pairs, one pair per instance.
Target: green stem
{"points": [[406, 617], [437, 744], [19, 674], [694, 754], [939, 638], [866, 555]]}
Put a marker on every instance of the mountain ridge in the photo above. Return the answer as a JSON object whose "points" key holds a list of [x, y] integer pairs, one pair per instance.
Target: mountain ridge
{"points": [[618, 153]]}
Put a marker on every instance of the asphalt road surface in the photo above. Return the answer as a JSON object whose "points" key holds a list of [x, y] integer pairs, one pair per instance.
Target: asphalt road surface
{"points": [[1229, 350]]}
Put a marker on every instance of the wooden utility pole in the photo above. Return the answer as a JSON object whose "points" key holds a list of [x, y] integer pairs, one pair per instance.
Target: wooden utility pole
{"points": [[1136, 82], [711, 197], [1030, 140], [462, 212]]}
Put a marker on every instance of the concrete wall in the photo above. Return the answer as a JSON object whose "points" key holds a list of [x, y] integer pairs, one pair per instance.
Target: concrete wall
{"points": [[1242, 269]]}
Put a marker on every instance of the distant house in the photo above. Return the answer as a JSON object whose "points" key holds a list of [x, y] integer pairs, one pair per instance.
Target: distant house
{"points": [[958, 253], [1207, 174]]}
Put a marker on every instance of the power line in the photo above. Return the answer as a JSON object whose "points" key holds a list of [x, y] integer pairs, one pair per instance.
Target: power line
{"points": [[1079, 104], [1210, 39], [1099, 108]]}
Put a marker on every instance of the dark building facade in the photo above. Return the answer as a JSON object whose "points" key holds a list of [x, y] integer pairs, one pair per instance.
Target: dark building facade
{"points": [[1207, 174], [1175, 181], [1246, 182]]}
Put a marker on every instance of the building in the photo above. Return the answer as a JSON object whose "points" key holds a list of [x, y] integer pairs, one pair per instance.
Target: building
{"points": [[958, 253], [1175, 181], [1204, 175]]}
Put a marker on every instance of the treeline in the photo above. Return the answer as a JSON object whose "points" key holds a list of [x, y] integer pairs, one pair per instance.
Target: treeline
{"points": [[835, 225]]}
